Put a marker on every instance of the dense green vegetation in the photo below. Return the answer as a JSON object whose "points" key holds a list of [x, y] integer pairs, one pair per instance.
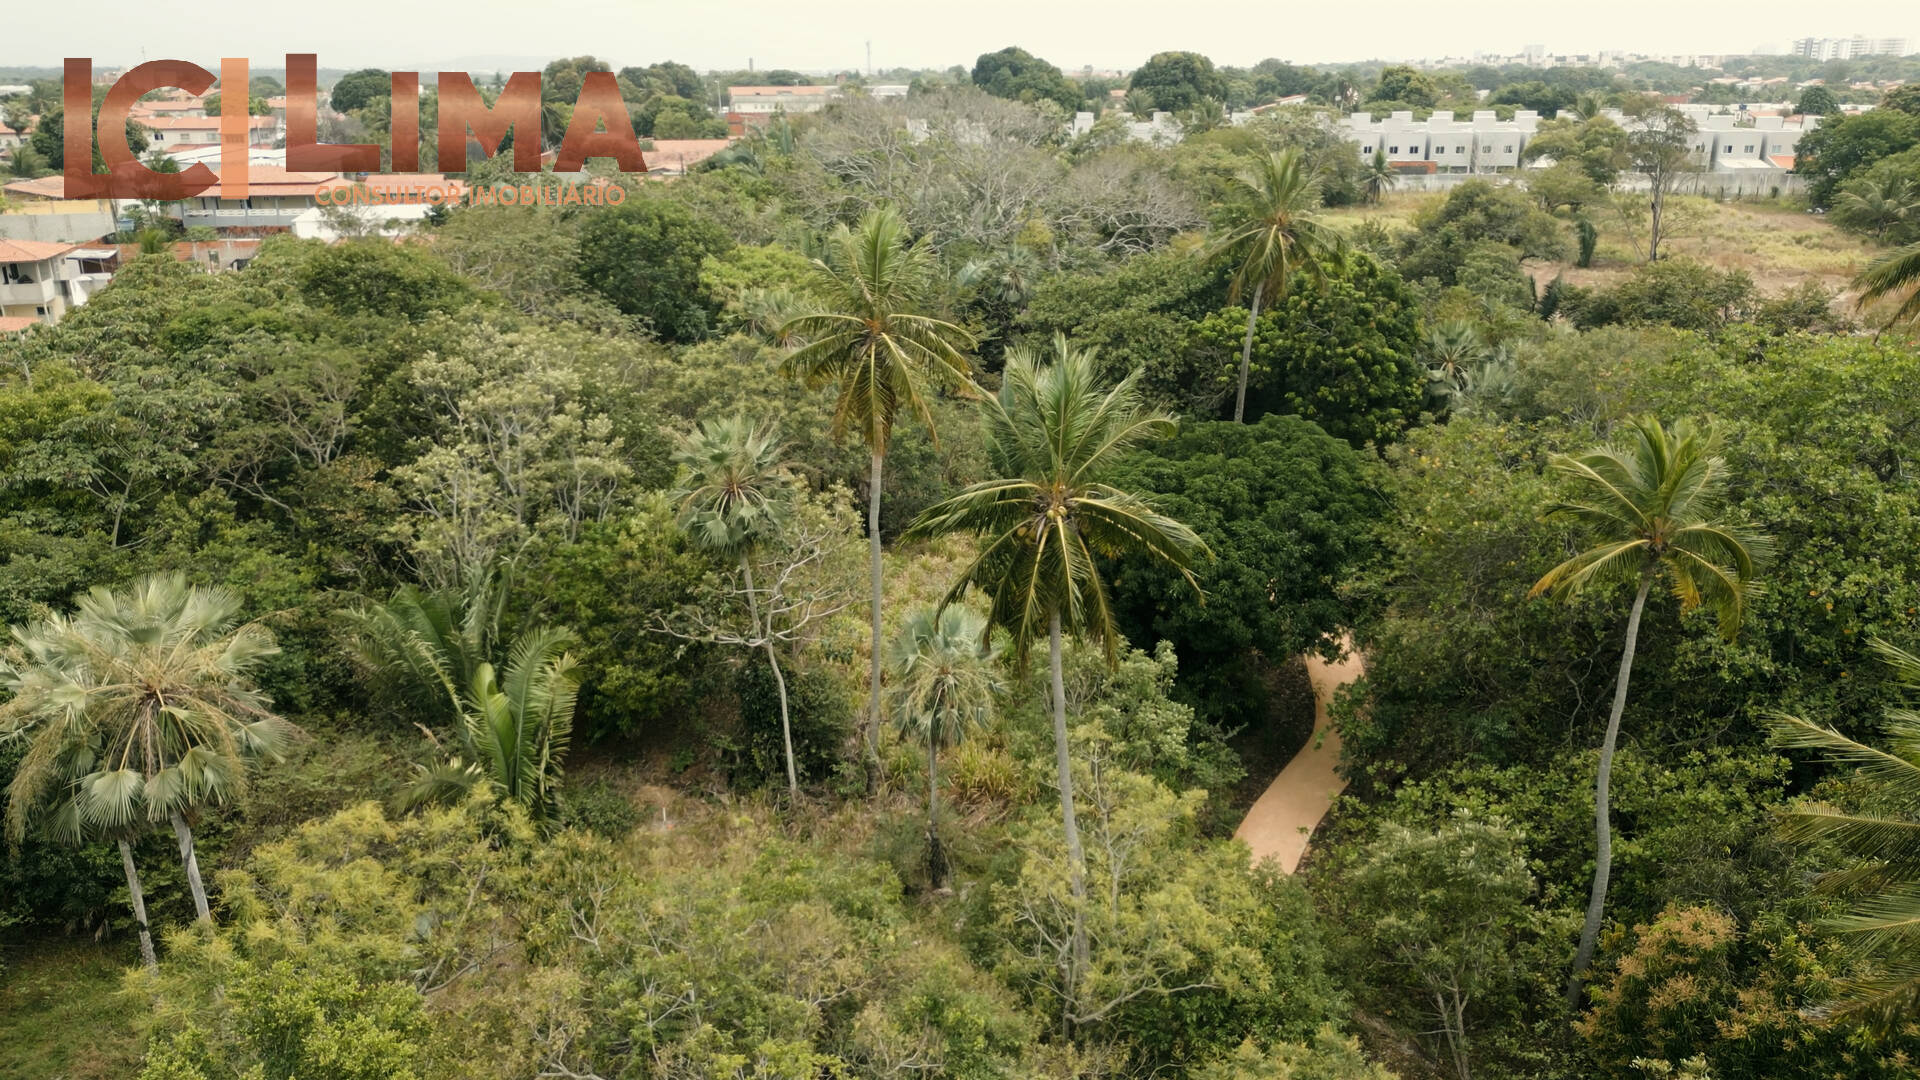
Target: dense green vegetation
{"points": [[817, 619]]}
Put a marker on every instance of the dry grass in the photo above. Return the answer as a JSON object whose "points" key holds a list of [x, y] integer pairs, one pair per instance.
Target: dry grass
{"points": [[1777, 243]]}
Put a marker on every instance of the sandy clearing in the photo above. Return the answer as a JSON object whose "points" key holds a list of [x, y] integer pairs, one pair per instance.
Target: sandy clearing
{"points": [[1282, 820]]}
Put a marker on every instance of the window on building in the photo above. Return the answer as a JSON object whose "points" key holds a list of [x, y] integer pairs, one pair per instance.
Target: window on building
{"points": [[1459, 149], [1507, 150], [1749, 149], [1366, 149], [1729, 148], [1393, 150]]}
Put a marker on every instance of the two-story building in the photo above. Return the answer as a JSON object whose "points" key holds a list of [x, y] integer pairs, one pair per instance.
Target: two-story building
{"points": [[168, 132], [1483, 143], [38, 281], [275, 198]]}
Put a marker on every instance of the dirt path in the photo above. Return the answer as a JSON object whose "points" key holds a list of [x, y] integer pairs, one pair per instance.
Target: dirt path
{"points": [[1283, 818]]}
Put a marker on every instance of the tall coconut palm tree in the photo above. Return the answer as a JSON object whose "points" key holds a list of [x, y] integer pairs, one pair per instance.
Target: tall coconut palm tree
{"points": [[945, 678], [1653, 505], [1894, 275], [1278, 234], [732, 498], [875, 342], [1049, 517], [1883, 885], [140, 706]]}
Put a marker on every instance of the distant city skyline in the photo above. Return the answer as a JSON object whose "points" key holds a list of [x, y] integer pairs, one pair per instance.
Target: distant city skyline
{"points": [[487, 34]]}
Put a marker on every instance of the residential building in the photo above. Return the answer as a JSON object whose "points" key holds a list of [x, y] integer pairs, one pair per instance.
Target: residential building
{"points": [[275, 197], [168, 132], [1849, 48], [750, 100], [1442, 144], [38, 281], [36, 211]]}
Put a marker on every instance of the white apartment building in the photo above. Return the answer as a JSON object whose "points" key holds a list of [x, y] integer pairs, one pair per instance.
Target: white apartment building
{"points": [[1486, 144], [1482, 143], [1849, 48]]}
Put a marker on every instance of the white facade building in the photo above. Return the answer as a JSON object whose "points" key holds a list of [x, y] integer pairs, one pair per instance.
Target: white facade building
{"points": [[1849, 48]]}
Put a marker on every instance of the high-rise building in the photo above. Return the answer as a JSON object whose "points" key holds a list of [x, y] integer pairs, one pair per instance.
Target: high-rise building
{"points": [[1849, 48]]}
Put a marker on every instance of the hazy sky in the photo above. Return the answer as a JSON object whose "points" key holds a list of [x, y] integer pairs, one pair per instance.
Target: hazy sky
{"points": [[823, 34]]}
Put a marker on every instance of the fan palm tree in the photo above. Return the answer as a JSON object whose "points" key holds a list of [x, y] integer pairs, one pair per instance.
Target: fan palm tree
{"points": [[139, 707], [1653, 505], [1278, 234], [515, 728], [874, 342], [1454, 350], [1049, 517], [1376, 176], [1895, 275], [1885, 883], [76, 756], [732, 499], [945, 677]]}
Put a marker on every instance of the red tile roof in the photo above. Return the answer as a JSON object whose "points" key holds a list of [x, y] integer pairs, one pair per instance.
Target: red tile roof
{"points": [[47, 187], [10, 324], [273, 180], [19, 251]]}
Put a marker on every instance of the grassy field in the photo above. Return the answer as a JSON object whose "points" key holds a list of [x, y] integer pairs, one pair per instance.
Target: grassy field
{"points": [[61, 1014], [1776, 242]]}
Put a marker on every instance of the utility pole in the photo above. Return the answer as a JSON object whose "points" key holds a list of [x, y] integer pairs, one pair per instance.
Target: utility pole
{"points": [[869, 58]]}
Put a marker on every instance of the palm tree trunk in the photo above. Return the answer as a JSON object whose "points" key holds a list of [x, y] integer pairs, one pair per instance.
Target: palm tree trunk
{"points": [[1246, 356], [1602, 826], [1076, 857], [873, 559], [779, 680], [936, 856], [139, 904], [192, 861]]}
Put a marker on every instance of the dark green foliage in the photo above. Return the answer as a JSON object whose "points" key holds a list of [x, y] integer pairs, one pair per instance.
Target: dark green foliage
{"points": [[1680, 293], [49, 144], [357, 89], [1818, 101], [374, 277], [1178, 81], [1473, 214], [1287, 512], [1463, 668], [633, 678], [645, 257], [1846, 148], [1019, 75], [1341, 355], [821, 715], [1401, 84]]}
